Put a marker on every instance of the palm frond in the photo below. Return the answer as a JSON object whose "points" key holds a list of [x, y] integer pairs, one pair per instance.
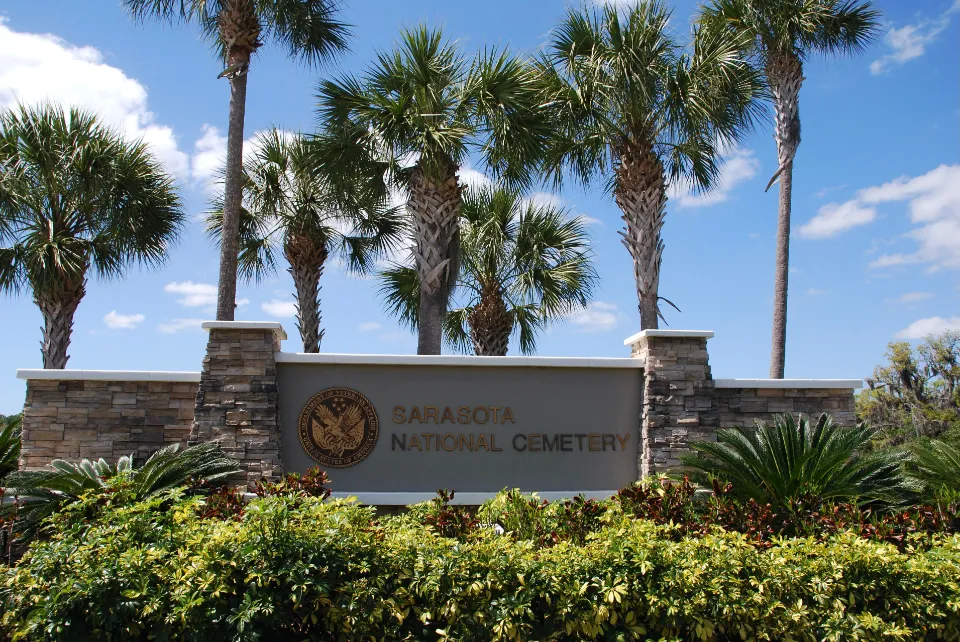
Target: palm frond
{"points": [[45, 492], [10, 430], [400, 289], [935, 465], [790, 459]]}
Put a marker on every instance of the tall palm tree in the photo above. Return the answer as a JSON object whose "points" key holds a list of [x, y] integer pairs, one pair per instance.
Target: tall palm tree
{"points": [[780, 35], [310, 31], [632, 108], [424, 104], [523, 265], [291, 207], [76, 198]]}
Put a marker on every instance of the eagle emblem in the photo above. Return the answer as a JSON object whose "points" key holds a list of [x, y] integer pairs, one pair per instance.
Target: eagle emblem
{"points": [[338, 427], [337, 432]]}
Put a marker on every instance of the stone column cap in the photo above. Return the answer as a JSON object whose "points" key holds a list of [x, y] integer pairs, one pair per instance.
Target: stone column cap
{"points": [[676, 334], [246, 325]]}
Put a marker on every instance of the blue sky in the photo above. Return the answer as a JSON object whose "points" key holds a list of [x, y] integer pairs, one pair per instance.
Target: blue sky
{"points": [[875, 253]]}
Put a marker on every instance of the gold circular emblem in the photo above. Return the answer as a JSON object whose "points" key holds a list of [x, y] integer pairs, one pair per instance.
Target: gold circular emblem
{"points": [[338, 427]]}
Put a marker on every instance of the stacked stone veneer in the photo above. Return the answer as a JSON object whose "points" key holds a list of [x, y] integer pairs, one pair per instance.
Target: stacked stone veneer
{"points": [[234, 401], [73, 417], [745, 406], [236, 404], [679, 401]]}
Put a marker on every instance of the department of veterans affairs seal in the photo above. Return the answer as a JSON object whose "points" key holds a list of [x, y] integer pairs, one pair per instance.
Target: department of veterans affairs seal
{"points": [[338, 427]]}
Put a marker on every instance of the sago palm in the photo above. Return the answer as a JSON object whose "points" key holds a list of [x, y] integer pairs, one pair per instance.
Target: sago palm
{"points": [[791, 460], [292, 207], [44, 492], [523, 265], [780, 35], [10, 445], [935, 465], [308, 29], [76, 200], [632, 108], [426, 105]]}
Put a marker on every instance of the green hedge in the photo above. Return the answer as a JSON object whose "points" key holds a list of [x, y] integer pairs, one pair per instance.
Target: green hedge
{"points": [[295, 568]]}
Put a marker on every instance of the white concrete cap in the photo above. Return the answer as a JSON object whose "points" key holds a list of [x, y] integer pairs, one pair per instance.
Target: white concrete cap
{"points": [[108, 375], [468, 498], [457, 360], [856, 384], [245, 325], [679, 334]]}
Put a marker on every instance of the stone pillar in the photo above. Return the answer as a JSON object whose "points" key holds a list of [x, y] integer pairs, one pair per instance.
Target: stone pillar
{"points": [[237, 402], [679, 404]]}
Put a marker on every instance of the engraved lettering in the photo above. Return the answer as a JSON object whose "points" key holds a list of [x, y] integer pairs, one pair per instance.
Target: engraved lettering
{"points": [[517, 446]]}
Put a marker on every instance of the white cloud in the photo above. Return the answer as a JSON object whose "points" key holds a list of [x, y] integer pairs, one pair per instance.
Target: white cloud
{"points": [[815, 292], [597, 317], [738, 166], [474, 178], [828, 190], [180, 325], [278, 308], [195, 295], [922, 328], [210, 155], [369, 327], [934, 206], [910, 41], [911, 297], [35, 67], [833, 218], [117, 321]]}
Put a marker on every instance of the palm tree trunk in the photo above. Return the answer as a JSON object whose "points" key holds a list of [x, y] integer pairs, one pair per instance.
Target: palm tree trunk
{"points": [[778, 350], [641, 194], [306, 260], [785, 76], [232, 190], [435, 209], [490, 325], [57, 309]]}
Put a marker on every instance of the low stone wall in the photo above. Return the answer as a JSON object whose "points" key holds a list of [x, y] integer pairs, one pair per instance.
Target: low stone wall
{"points": [[70, 414], [744, 402], [75, 414]]}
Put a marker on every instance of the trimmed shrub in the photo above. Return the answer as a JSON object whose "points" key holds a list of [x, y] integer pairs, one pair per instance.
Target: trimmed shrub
{"points": [[298, 567]]}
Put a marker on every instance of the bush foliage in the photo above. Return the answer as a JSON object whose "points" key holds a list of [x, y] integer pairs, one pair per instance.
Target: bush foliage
{"points": [[294, 566], [916, 396]]}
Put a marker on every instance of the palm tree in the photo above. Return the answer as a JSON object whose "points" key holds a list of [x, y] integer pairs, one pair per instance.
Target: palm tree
{"points": [[310, 31], [424, 104], [44, 492], [630, 107], [76, 197], [292, 207], [522, 266], [790, 460], [780, 35]]}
